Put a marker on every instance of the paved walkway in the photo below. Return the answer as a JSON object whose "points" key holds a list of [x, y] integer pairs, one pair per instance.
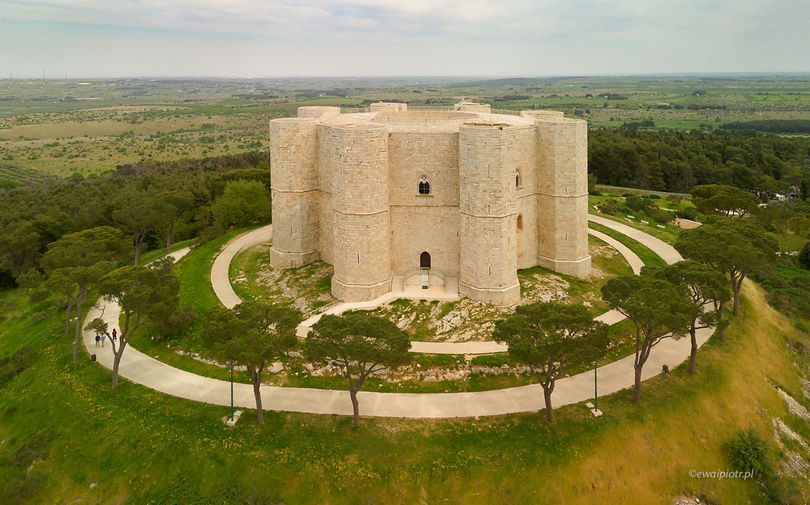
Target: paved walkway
{"points": [[220, 280], [147, 371], [658, 246], [143, 369]]}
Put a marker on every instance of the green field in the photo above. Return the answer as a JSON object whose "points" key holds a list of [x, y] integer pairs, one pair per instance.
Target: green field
{"points": [[80, 128]]}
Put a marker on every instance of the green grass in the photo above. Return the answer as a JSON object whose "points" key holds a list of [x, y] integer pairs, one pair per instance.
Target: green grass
{"points": [[195, 273], [67, 436], [645, 253]]}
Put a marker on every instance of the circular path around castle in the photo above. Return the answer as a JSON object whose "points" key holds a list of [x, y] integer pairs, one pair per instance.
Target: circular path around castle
{"points": [[145, 370]]}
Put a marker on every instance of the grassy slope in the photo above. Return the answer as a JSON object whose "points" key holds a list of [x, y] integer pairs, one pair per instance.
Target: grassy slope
{"points": [[644, 253], [62, 429]]}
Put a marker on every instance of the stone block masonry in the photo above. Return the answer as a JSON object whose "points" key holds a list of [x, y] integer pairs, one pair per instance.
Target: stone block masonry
{"points": [[466, 196]]}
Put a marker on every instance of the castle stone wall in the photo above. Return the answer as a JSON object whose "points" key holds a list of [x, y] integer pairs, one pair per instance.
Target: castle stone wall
{"points": [[346, 190], [295, 196], [361, 227], [563, 195], [487, 208]]}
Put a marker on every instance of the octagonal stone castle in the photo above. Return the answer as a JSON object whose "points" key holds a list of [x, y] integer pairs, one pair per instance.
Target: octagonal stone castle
{"points": [[396, 198]]}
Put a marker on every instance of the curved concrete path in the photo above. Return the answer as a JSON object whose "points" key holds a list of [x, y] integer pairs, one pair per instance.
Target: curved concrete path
{"points": [[145, 370], [220, 280], [658, 246]]}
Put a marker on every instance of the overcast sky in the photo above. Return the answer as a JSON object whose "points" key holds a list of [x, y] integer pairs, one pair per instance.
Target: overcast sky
{"points": [[269, 38]]}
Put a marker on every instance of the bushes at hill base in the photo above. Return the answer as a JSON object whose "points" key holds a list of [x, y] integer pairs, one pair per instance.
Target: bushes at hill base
{"points": [[10, 367], [804, 256]]}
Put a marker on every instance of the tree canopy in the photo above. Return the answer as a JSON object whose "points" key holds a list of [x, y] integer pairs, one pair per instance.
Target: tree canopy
{"points": [[703, 285], [243, 202], [253, 334], [551, 338], [723, 199], [658, 310], [76, 261], [361, 344], [732, 246], [141, 292]]}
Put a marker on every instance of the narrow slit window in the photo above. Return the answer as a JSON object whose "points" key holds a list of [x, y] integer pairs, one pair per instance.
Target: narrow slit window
{"points": [[424, 186]]}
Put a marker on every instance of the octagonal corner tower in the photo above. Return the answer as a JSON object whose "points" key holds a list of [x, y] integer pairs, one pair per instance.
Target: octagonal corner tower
{"points": [[456, 201]]}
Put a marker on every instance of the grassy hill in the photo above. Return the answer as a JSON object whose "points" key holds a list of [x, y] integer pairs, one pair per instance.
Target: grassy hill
{"points": [[66, 437]]}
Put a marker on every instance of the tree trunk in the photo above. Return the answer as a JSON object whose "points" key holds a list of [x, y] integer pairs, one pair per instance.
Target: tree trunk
{"points": [[169, 233], [637, 383], [116, 363], [355, 407], [137, 252], [68, 311], [80, 296], [735, 288], [693, 353], [547, 390], [721, 324], [257, 384]]}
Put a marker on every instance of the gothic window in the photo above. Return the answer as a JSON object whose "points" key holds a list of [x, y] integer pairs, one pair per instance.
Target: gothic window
{"points": [[424, 186], [518, 182], [520, 222]]}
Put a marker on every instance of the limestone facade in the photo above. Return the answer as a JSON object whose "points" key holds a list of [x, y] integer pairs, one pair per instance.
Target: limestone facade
{"points": [[461, 198]]}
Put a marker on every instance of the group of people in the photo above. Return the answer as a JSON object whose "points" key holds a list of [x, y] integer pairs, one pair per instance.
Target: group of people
{"points": [[101, 338]]}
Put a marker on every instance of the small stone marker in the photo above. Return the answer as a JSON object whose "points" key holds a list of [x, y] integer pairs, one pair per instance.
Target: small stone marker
{"points": [[594, 411], [231, 422], [661, 226]]}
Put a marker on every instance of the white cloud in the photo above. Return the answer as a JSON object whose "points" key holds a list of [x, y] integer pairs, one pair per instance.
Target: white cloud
{"points": [[423, 36]]}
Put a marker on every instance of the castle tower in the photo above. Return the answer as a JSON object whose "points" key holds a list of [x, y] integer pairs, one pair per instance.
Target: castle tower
{"points": [[487, 208], [294, 191], [361, 218], [562, 193]]}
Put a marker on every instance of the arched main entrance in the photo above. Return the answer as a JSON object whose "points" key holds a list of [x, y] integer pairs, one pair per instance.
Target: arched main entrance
{"points": [[424, 260]]}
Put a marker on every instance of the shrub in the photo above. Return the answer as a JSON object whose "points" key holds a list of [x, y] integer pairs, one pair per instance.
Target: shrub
{"points": [[749, 451], [659, 215], [688, 213], [637, 203], [10, 367], [804, 256], [610, 207], [39, 295]]}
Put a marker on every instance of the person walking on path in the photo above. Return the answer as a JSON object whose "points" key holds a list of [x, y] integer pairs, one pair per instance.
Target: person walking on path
{"points": [[98, 339], [103, 338], [114, 334]]}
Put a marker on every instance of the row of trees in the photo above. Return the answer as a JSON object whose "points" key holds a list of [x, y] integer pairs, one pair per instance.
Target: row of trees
{"points": [[552, 339], [669, 160]]}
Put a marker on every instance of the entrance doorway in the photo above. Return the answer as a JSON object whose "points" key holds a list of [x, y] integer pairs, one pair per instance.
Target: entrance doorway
{"points": [[424, 260]]}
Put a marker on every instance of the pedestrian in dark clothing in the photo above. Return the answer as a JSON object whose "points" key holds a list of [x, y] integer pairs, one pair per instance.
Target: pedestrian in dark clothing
{"points": [[115, 334], [98, 339]]}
